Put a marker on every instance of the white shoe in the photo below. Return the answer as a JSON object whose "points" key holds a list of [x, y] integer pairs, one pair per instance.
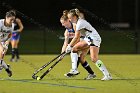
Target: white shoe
{"points": [[90, 76], [108, 77], [72, 73]]}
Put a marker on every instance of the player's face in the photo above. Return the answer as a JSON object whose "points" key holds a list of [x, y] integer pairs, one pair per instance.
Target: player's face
{"points": [[72, 18], [65, 23], [10, 20]]}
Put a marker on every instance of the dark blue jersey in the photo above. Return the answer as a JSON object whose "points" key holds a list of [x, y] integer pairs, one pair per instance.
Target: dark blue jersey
{"points": [[71, 29]]}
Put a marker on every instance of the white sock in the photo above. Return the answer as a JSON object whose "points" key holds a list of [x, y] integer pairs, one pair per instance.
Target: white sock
{"points": [[102, 67], [74, 59], [3, 64]]}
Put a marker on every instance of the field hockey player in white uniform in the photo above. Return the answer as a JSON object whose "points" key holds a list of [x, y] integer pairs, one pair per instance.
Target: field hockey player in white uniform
{"points": [[91, 40], [6, 28]]}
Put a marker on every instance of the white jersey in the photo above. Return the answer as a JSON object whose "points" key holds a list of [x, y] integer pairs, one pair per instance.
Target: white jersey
{"points": [[90, 34], [5, 31]]}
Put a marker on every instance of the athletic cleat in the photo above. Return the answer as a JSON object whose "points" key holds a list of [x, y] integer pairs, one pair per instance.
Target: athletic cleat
{"points": [[108, 77], [9, 72], [17, 59], [72, 73], [12, 60], [90, 76]]}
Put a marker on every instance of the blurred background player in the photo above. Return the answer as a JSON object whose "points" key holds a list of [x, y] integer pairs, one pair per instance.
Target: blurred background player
{"points": [[69, 35], [91, 40], [18, 28], [6, 28]]}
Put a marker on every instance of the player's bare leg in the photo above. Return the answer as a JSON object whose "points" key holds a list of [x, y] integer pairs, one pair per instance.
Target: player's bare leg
{"points": [[15, 52], [82, 46], [94, 51]]}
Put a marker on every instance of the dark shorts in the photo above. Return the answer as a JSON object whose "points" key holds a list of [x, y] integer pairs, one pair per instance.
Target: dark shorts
{"points": [[15, 36]]}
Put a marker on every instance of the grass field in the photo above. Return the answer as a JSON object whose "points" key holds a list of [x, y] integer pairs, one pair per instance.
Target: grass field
{"points": [[125, 70]]}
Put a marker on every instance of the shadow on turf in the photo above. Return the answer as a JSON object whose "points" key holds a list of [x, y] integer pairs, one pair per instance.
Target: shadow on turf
{"points": [[95, 79], [69, 79], [47, 83]]}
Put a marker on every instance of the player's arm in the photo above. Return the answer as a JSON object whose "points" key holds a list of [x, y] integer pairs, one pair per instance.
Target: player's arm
{"points": [[77, 34], [19, 24], [65, 41], [75, 39], [74, 27]]}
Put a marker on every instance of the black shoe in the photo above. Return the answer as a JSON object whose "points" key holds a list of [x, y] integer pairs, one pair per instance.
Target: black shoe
{"points": [[9, 72]]}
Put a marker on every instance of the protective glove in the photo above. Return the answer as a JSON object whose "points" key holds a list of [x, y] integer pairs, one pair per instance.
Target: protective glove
{"points": [[68, 49]]}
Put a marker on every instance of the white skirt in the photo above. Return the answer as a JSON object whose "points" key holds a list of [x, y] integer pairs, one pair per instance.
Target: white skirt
{"points": [[93, 40]]}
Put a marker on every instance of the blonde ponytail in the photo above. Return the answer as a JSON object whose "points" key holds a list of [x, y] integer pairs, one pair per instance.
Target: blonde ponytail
{"points": [[64, 16], [81, 15], [65, 12], [77, 13]]}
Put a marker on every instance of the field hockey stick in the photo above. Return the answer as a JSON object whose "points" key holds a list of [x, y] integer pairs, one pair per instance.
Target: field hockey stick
{"points": [[47, 71], [41, 68]]}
